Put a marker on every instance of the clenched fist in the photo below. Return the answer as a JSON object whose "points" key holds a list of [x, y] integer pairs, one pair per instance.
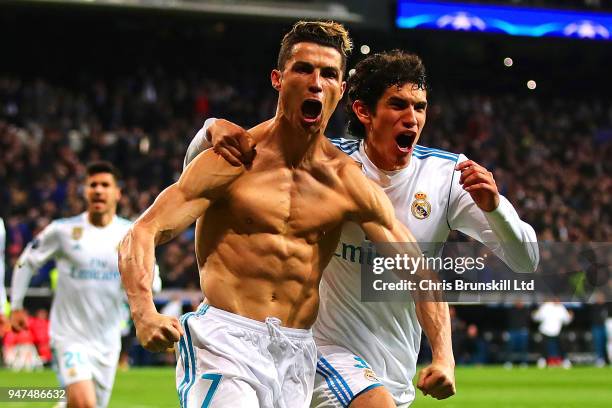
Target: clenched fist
{"points": [[437, 380], [479, 182], [157, 332]]}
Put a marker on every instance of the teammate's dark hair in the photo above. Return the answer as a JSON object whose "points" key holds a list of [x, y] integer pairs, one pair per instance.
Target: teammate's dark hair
{"points": [[102, 167], [374, 75], [327, 33]]}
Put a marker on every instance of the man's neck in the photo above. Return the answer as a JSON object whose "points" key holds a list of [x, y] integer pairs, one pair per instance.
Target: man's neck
{"points": [[100, 219], [379, 161], [295, 143]]}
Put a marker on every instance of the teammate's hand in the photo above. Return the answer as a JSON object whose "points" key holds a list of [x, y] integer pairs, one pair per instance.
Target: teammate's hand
{"points": [[479, 182], [19, 320], [232, 142], [157, 332], [437, 380]]}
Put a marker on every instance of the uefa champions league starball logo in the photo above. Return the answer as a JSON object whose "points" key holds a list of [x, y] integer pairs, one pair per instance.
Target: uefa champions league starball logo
{"points": [[461, 21], [586, 29]]}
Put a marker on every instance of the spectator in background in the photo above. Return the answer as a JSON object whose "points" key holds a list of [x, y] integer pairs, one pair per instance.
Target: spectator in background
{"points": [[609, 332], [518, 333], [458, 332], [552, 316], [20, 351], [474, 347], [599, 314], [39, 327]]}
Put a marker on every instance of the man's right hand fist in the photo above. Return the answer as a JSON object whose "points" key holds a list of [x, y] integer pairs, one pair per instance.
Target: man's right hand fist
{"points": [[19, 320], [232, 142], [157, 332]]}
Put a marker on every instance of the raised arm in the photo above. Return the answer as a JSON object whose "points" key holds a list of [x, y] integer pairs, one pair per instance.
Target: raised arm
{"points": [[477, 209], [177, 207]]}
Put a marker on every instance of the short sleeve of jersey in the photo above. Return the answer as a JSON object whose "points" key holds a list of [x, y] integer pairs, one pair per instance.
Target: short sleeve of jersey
{"points": [[42, 248]]}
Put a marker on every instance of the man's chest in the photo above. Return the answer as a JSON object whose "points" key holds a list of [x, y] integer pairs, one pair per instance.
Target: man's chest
{"points": [[288, 202]]}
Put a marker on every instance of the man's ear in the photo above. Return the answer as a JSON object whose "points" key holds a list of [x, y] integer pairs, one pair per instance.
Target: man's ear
{"points": [[363, 112], [276, 77]]}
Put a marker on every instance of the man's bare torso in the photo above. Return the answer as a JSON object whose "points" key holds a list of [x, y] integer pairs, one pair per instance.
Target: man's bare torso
{"points": [[265, 241]]}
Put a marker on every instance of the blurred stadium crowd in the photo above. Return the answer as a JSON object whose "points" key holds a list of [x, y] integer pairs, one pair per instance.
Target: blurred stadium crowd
{"points": [[549, 156]]}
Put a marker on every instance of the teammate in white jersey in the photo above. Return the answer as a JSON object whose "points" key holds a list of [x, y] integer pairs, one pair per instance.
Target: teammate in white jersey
{"points": [[368, 350], [87, 307]]}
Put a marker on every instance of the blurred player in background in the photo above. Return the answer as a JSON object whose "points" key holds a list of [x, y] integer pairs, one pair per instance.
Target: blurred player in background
{"points": [[87, 308], [364, 346], [552, 316]]}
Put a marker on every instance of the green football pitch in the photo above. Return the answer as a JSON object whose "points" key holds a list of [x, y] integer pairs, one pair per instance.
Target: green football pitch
{"points": [[476, 387]]}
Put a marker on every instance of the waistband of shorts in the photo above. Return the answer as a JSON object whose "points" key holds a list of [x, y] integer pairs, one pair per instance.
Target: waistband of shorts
{"points": [[254, 325]]}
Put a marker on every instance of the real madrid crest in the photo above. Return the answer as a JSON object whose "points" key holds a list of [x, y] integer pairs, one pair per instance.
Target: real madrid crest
{"points": [[77, 233], [420, 206]]}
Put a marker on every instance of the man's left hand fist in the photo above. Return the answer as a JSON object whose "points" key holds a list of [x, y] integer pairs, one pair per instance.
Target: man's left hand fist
{"points": [[479, 182]]}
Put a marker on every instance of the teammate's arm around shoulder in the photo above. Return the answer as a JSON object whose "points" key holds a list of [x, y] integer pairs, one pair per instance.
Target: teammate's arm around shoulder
{"points": [[177, 207]]}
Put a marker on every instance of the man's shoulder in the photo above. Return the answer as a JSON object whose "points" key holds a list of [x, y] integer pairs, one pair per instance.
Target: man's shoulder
{"points": [[207, 173], [67, 222], [348, 146], [432, 155]]}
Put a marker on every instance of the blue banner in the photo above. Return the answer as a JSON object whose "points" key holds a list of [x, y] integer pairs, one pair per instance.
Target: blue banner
{"points": [[522, 21]]}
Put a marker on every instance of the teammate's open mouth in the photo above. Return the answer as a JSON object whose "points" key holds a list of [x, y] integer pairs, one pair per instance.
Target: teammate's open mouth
{"points": [[311, 109], [404, 141]]}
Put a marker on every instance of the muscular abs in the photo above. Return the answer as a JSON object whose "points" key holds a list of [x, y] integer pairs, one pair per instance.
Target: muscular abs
{"points": [[267, 240]]}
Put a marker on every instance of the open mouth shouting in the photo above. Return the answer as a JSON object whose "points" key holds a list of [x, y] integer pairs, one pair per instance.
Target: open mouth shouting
{"points": [[98, 201], [311, 110], [405, 141]]}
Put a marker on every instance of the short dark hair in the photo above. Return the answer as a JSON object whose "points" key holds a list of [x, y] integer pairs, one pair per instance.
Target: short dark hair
{"points": [[102, 167], [326, 33], [374, 75]]}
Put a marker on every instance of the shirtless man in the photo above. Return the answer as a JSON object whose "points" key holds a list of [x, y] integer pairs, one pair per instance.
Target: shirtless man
{"points": [[368, 350], [264, 235]]}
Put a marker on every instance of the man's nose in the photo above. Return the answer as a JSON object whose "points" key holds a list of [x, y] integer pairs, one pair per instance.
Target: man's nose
{"points": [[409, 118], [315, 82]]}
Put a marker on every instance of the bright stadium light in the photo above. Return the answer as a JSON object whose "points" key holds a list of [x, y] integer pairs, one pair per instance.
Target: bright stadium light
{"points": [[365, 49], [351, 72], [508, 62], [531, 84]]}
